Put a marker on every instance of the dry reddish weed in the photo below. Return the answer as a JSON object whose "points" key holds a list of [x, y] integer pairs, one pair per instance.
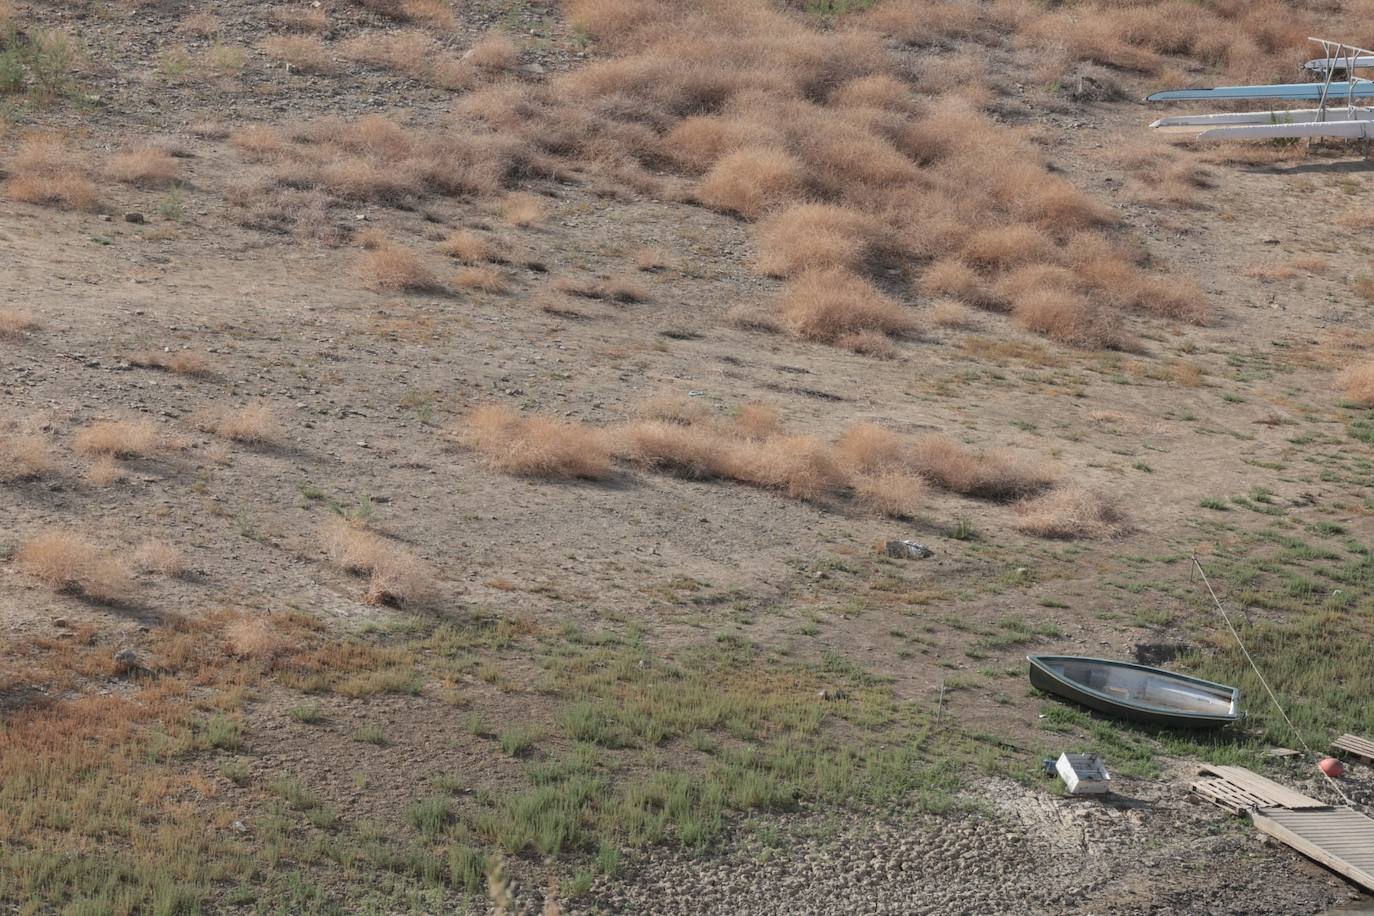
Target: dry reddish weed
{"points": [[825, 305], [154, 556], [388, 266], [66, 562], [536, 446], [1072, 513], [146, 166], [395, 576], [46, 172], [14, 322], [118, 439]]}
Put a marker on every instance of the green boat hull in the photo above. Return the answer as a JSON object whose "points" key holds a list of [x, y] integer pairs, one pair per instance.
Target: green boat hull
{"points": [[1139, 693]]}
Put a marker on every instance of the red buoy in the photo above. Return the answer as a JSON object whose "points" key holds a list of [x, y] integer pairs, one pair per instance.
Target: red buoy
{"points": [[1332, 767]]}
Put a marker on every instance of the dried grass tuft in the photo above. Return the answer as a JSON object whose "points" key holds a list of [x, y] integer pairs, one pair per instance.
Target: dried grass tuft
{"points": [[987, 475], [1358, 382], [395, 576], [23, 456], [146, 166], [118, 439], [535, 446], [826, 305], [66, 562], [154, 556], [1072, 513], [752, 182], [46, 172], [254, 424], [388, 266], [14, 322]]}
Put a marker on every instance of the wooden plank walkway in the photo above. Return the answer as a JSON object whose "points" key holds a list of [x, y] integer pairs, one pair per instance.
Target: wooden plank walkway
{"points": [[1339, 838], [1238, 790], [1355, 746]]}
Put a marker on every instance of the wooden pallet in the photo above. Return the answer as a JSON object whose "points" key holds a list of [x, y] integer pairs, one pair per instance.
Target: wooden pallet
{"points": [[1355, 746], [1239, 790], [1339, 838], [1224, 794]]}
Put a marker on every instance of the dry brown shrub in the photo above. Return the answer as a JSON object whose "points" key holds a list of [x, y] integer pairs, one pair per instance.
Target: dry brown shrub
{"points": [[698, 142], [468, 246], [118, 439], [879, 90], [300, 52], [825, 305], [692, 451], [624, 288], [105, 471], [651, 260], [23, 456], [896, 494], [923, 22], [752, 182], [536, 446], [523, 210], [982, 474], [254, 424], [947, 313], [66, 562], [952, 277], [1065, 316], [1173, 297], [799, 466], [486, 279], [256, 638], [1358, 382], [435, 13], [154, 556], [388, 266], [259, 142], [757, 421], [14, 322], [178, 362], [1072, 513], [867, 448], [672, 407], [202, 24], [46, 172], [495, 53], [395, 576], [1002, 247], [868, 343], [146, 166], [750, 317], [301, 18], [807, 236]]}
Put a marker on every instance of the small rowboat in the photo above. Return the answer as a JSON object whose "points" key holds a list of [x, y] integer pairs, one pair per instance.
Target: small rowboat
{"points": [[1137, 692]]}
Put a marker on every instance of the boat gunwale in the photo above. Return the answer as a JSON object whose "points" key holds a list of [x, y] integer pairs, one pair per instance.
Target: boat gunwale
{"points": [[1235, 715]]}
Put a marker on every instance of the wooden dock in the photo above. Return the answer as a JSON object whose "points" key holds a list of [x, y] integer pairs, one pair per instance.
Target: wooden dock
{"points": [[1239, 790], [1339, 838], [1355, 746]]}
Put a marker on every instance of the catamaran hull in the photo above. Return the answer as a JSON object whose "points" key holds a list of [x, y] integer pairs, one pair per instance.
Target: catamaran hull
{"points": [[1322, 64], [1336, 130], [1044, 676], [1266, 118], [1360, 89]]}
